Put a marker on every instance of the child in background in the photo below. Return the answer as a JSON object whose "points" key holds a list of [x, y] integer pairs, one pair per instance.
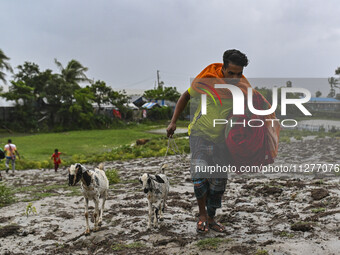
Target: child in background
{"points": [[56, 159]]}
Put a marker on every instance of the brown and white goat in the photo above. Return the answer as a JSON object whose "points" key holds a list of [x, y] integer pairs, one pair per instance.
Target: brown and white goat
{"points": [[94, 185]]}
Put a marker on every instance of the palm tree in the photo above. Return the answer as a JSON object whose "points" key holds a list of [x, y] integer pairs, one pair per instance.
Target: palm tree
{"points": [[4, 65], [337, 71], [333, 82], [74, 72]]}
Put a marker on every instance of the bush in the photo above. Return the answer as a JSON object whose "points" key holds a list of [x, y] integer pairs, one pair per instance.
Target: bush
{"points": [[298, 137], [5, 195], [284, 139], [333, 129], [113, 176], [161, 113]]}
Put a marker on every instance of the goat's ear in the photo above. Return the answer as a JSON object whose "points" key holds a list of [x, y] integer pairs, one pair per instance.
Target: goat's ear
{"points": [[140, 180], [159, 179], [78, 166], [149, 180]]}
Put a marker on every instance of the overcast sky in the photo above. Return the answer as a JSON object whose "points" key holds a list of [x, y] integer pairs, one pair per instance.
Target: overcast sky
{"points": [[124, 42]]}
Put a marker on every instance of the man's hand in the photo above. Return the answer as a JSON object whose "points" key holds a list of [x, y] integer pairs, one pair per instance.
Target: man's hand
{"points": [[171, 129]]}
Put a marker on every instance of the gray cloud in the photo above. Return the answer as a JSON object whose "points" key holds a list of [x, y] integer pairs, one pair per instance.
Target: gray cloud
{"points": [[124, 42]]}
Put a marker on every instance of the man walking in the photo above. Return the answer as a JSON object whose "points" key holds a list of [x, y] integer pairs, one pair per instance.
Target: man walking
{"points": [[207, 143], [11, 153]]}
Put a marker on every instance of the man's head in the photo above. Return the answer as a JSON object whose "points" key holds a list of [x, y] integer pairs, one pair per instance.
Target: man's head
{"points": [[233, 63], [9, 141], [56, 151]]}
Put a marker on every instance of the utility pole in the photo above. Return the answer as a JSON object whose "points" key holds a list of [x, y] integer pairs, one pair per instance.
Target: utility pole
{"points": [[158, 79]]}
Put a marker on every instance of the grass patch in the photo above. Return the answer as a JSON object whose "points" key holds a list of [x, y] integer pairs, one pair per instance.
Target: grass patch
{"points": [[286, 234], [40, 188], [303, 133], [75, 191], [37, 192], [122, 246], [6, 196], [37, 196], [262, 252], [284, 139], [298, 137], [130, 181], [30, 209], [77, 146], [318, 210], [113, 176], [39, 147], [211, 243]]}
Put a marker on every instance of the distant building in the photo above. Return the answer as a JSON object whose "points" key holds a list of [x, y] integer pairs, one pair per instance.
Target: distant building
{"points": [[138, 100], [150, 105], [163, 102], [6, 108], [323, 104]]}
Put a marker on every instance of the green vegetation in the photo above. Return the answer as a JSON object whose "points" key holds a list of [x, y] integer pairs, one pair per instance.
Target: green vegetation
{"points": [[122, 246], [285, 139], [286, 234], [4, 66], [92, 146], [297, 134], [36, 192], [30, 209], [47, 101], [167, 93], [298, 137], [211, 243], [317, 210], [6, 197], [261, 252], [113, 176], [319, 182]]}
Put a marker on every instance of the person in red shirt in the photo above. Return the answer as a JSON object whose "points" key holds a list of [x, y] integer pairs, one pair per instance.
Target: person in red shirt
{"points": [[56, 159]]}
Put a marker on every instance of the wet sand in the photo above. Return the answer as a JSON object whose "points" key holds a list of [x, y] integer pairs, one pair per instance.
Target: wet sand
{"points": [[279, 213]]}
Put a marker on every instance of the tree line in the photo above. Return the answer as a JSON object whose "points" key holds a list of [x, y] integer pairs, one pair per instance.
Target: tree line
{"points": [[48, 101], [45, 100]]}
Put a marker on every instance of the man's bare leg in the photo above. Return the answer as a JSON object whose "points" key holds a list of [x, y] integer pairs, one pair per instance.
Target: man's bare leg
{"points": [[203, 216]]}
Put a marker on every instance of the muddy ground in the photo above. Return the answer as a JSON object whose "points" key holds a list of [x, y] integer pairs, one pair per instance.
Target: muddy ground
{"points": [[263, 213]]}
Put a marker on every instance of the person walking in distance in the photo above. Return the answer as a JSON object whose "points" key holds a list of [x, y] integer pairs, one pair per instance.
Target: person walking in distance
{"points": [[56, 159], [11, 153]]}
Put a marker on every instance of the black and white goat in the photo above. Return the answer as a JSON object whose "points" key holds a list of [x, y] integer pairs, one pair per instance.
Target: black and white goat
{"points": [[94, 185], [157, 188]]}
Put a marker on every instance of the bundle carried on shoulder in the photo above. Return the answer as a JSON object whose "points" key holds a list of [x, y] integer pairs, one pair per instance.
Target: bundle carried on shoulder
{"points": [[253, 145]]}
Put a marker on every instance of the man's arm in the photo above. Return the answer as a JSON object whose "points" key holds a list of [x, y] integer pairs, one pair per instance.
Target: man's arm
{"points": [[181, 103], [16, 152]]}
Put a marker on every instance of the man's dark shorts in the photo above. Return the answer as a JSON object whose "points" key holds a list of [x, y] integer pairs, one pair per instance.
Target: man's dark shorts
{"points": [[205, 153]]}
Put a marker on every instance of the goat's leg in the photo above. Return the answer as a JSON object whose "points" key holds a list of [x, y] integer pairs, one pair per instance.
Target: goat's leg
{"points": [[102, 210], [96, 213], [161, 211], [87, 231], [155, 217], [150, 214]]}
